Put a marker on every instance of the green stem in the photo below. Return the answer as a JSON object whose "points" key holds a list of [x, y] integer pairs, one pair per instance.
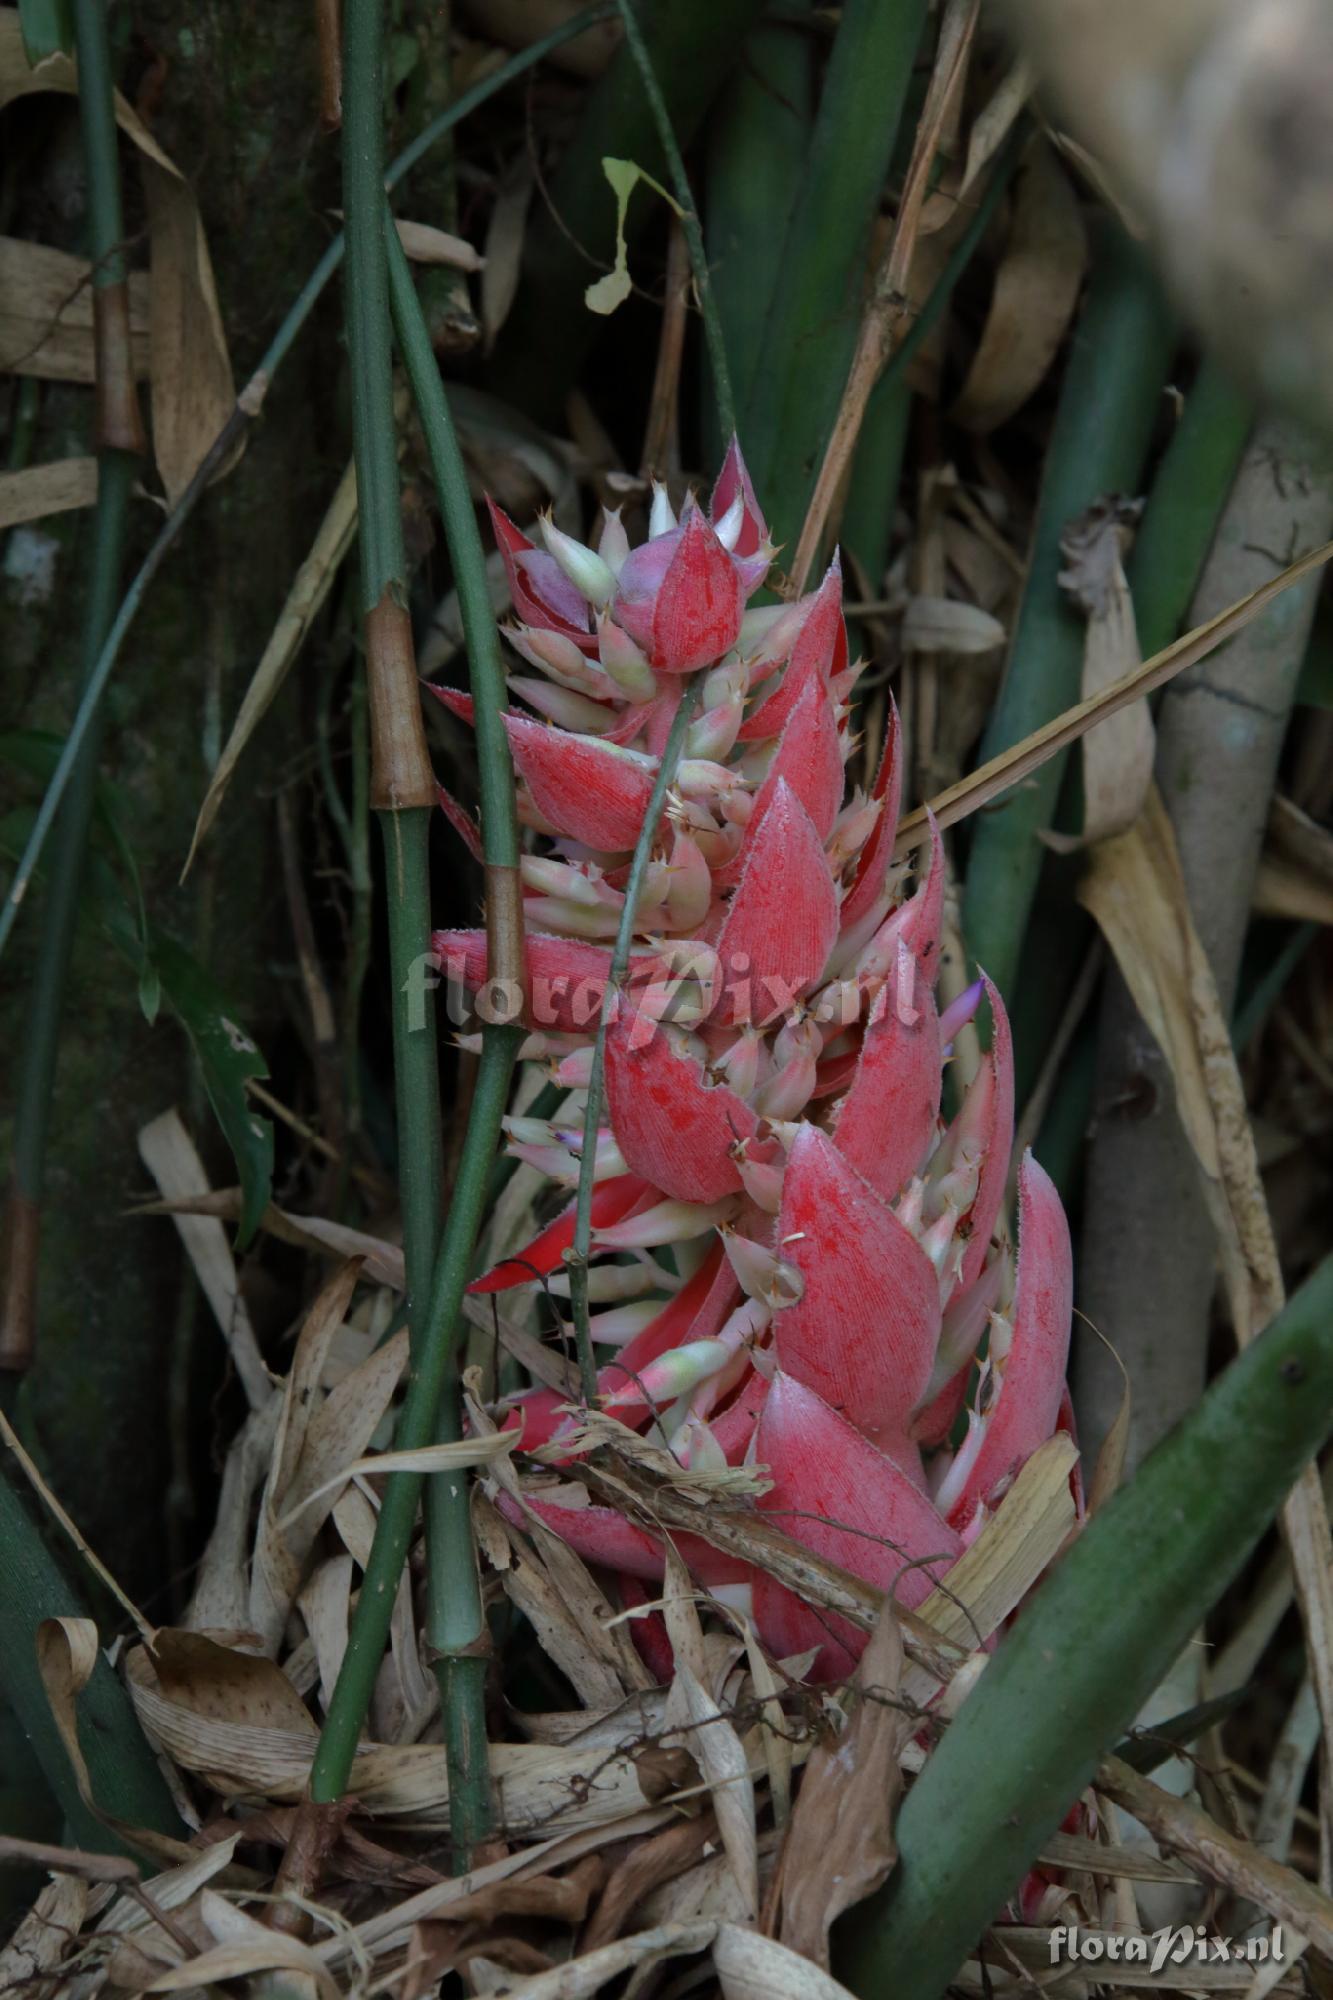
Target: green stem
{"points": [[1089, 1648], [437, 1349], [578, 1257], [1188, 494], [495, 772], [406, 838], [234, 428], [126, 1782], [1108, 403], [456, 1625], [689, 219]]}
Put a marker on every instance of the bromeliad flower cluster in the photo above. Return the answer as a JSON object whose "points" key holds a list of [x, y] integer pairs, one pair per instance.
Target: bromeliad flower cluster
{"points": [[773, 1077]]}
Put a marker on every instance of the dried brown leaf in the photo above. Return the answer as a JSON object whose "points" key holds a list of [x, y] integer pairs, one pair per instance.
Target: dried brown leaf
{"points": [[995, 120], [751, 1967], [40, 490], [1290, 890], [192, 389], [66, 1656], [425, 244], [168, 1152], [944, 625], [1117, 756], [310, 587], [43, 1936], [1036, 291], [1221, 1856], [221, 1684], [711, 1740], [840, 1845], [46, 311]]}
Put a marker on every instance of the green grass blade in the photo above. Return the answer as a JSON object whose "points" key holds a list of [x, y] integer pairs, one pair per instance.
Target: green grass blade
{"points": [[123, 1771], [758, 135], [1109, 401], [816, 310], [1087, 1651]]}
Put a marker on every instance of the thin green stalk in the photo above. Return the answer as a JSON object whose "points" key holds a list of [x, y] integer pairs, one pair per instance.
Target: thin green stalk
{"points": [[692, 46], [578, 1258], [816, 310], [247, 408], [689, 219], [495, 772], [117, 432], [416, 1429], [1087, 1651], [402, 782], [758, 134], [1188, 494], [126, 1782], [456, 1624], [406, 838], [1109, 401]]}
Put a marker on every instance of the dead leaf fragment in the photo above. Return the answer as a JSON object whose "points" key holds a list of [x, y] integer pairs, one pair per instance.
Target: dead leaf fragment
{"points": [[840, 1845], [1117, 756], [46, 312], [192, 389], [1036, 290], [40, 490], [751, 1967]]}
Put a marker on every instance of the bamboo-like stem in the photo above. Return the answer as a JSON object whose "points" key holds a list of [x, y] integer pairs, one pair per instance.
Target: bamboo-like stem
{"points": [[1109, 400], [578, 1256], [248, 405], [118, 435], [689, 219], [401, 781], [456, 1626], [436, 1350]]}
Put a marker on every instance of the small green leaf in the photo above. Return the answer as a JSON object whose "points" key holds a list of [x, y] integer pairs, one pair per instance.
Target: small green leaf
{"points": [[228, 1059], [47, 27], [613, 290]]}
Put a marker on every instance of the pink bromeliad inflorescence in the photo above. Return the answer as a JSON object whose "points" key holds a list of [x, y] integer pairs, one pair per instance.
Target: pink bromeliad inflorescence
{"points": [[773, 1078]]}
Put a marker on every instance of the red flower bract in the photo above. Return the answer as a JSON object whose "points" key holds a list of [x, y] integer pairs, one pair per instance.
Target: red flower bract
{"points": [[816, 1259]]}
